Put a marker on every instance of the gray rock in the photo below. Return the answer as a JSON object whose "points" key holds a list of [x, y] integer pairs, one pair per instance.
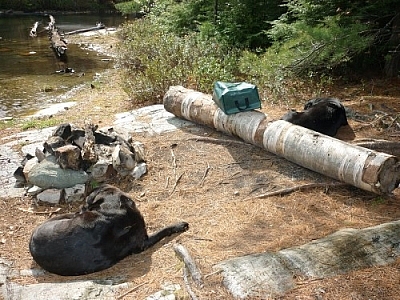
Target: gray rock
{"points": [[52, 196], [123, 160], [167, 293], [53, 143], [81, 290], [34, 190], [139, 170], [139, 151], [69, 157], [49, 174], [75, 193], [102, 170], [29, 165]]}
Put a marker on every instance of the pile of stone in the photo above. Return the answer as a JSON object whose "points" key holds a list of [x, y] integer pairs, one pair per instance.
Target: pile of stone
{"points": [[74, 158]]}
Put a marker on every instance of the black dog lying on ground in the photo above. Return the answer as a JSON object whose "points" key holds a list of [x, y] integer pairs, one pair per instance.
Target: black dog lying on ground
{"points": [[324, 115], [108, 228]]}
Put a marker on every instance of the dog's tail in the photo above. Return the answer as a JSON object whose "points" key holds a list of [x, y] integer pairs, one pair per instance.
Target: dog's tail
{"points": [[166, 231]]}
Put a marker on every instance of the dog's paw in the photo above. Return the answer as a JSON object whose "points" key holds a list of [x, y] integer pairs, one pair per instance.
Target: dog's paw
{"points": [[182, 227]]}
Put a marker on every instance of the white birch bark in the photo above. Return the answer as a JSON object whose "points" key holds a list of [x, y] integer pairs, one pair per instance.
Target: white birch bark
{"points": [[364, 168]]}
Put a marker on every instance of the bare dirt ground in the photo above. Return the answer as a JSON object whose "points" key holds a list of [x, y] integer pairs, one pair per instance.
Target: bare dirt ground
{"points": [[211, 181]]}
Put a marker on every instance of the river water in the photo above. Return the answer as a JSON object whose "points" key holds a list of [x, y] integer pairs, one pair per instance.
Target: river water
{"points": [[28, 67]]}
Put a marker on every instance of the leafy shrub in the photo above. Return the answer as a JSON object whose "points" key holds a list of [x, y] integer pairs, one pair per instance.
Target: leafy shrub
{"points": [[156, 59]]}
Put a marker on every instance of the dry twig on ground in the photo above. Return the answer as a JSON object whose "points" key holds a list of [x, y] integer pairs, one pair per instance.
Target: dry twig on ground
{"points": [[287, 191], [184, 255]]}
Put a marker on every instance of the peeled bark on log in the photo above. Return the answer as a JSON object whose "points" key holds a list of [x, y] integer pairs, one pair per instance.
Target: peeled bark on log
{"points": [[364, 168], [58, 44], [270, 273]]}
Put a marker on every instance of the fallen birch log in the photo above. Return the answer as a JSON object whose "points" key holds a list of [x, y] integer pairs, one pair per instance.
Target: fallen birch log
{"points": [[269, 274], [364, 168]]}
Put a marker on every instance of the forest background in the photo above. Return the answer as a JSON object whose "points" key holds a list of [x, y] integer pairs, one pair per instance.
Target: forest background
{"points": [[281, 46]]}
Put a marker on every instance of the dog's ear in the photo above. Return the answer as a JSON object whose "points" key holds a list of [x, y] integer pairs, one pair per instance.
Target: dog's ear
{"points": [[126, 201]]}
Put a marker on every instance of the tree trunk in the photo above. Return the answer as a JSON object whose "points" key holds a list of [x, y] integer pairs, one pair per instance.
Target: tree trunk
{"points": [[364, 168], [392, 65], [269, 274]]}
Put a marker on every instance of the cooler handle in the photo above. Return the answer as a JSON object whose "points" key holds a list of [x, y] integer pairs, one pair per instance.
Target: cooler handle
{"points": [[247, 102]]}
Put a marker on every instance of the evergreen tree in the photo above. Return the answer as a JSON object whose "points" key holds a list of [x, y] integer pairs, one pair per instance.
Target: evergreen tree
{"points": [[324, 35]]}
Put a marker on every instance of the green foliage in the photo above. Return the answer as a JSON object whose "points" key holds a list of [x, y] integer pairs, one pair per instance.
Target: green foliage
{"points": [[156, 59], [333, 34], [244, 22], [59, 5], [320, 48], [132, 7], [38, 123]]}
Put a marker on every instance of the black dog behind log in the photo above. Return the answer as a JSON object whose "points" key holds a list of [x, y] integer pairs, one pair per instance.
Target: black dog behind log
{"points": [[108, 228], [324, 115]]}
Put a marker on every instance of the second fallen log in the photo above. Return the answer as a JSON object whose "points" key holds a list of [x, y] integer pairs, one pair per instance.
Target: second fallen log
{"points": [[364, 168]]}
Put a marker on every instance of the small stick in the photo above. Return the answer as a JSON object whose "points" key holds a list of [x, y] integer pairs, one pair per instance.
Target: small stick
{"points": [[213, 273], [131, 290], [176, 183], [298, 188], [40, 212], [187, 284], [217, 141], [167, 182], [173, 161], [204, 175], [184, 255]]}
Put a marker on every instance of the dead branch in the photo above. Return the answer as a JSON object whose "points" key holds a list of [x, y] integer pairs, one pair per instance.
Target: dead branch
{"points": [[204, 175], [131, 290], [173, 160], [287, 191], [50, 213], [187, 284], [184, 255], [176, 183], [97, 27], [389, 147], [212, 273], [216, 141], [167, 182]]}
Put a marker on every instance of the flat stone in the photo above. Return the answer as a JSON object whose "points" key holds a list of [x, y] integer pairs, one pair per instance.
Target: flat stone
{"points": [[51, 196], [53, 109], [49, 174], [74, 290], [153, 120]]}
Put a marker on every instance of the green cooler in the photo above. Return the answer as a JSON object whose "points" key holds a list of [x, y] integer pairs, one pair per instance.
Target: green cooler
{"points": [[236, 97]]}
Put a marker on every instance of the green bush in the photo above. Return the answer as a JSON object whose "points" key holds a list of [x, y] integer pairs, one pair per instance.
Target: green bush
{"points": [[156, 59]]}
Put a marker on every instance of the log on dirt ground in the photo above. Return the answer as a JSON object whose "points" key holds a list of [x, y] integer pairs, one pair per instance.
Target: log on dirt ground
{"points": [[364, 168], [267, 274]]}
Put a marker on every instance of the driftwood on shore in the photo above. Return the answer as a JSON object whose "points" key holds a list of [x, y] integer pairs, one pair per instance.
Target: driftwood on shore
{"points": [[364, 168], [97, 27], [33, 32], [57, 42]]}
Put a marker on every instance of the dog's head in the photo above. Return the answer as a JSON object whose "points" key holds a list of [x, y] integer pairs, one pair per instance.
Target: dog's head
{"points": [[107, 199]]}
